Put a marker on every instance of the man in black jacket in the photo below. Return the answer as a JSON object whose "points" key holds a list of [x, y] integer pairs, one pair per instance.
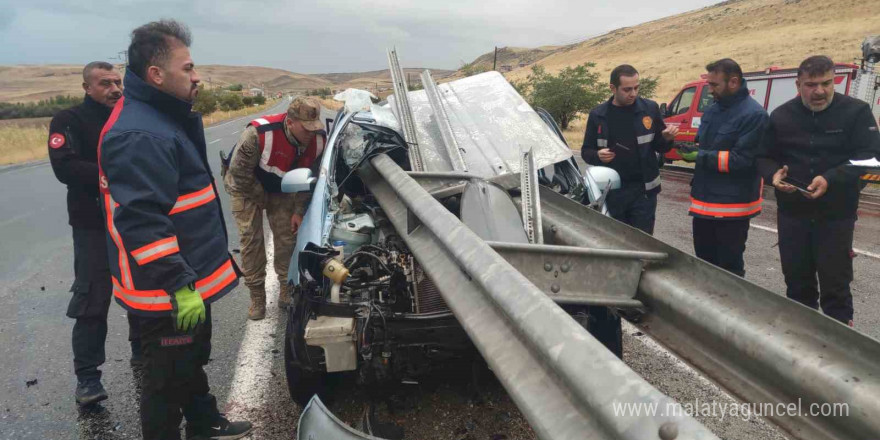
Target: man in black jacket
{"points": [[73, 144], [626, 133], [805, 152]]}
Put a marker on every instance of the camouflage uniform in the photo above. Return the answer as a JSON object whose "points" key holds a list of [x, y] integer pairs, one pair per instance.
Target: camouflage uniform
{"points": [[249, 200]]}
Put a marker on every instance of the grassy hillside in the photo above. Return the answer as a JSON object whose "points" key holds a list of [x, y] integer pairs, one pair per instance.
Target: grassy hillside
{"points": [[29, 83], [756, 33]]}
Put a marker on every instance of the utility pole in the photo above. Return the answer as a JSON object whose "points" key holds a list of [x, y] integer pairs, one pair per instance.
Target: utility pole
{"points": [[495, 60]]}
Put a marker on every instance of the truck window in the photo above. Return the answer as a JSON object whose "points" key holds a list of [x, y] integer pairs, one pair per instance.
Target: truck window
{"points": [[706, 100], [684, 101]]}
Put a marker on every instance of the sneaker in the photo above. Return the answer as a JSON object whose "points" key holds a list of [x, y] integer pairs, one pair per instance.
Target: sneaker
{"points": [[90, 391], [221, 429]]}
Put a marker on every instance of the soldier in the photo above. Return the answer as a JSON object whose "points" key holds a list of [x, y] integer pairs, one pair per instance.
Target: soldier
{"points": [[269, 147], [73, 146]]}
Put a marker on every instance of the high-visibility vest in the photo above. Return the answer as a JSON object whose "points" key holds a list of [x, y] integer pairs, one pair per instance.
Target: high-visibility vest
{"points": [[278, 155]]}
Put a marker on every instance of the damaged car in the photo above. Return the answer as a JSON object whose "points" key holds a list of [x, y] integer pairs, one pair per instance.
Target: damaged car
{"points": [[363, 304]]}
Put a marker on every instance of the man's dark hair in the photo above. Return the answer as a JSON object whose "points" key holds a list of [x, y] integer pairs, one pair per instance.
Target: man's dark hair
{"points": [[815, 65], [726, 66], [622, 70], [151, 44], [87, 71]]}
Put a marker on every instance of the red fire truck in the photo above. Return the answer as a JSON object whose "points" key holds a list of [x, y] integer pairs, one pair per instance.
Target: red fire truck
{"points": [[771, 88]]}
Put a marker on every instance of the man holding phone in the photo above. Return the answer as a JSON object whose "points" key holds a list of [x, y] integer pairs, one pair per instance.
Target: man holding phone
{"points": [[626, 133], [804, 153]]}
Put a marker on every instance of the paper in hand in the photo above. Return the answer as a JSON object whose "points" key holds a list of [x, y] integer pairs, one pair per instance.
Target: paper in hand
{"points": [[872, 163]]}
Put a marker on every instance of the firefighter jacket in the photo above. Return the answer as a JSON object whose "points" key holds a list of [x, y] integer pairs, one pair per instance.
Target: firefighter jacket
{"points": [[73, 153], [265, 152], [726, 184], [820, 144], [648, 129], [165, 226]]}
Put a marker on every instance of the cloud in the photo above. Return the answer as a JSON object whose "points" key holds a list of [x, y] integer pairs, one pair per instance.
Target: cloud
{"points": [[340, 35]]}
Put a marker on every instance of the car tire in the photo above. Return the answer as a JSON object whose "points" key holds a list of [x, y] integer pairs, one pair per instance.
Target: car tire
{"points": [[301, 383]]}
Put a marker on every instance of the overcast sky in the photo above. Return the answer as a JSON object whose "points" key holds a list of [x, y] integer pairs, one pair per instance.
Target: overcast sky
{"points": [[307, 37]]}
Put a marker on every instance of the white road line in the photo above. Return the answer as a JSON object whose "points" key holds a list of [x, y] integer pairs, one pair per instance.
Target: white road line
{"points": [[236, 132], [858, 251], [254, 363], [214, 141]]}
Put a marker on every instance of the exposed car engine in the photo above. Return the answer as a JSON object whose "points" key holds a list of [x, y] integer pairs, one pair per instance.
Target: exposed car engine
{"points": [[364, 304]]}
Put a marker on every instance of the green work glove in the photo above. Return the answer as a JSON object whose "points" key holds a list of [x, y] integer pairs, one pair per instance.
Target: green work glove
{"points": [[688, 153], [188, 308]]}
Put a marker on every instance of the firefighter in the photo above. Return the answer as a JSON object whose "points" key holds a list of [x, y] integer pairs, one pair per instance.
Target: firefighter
{"points": [[626, 133], [726, 188], [166, 234], [269, 147], [808, 143], [73, 146]]}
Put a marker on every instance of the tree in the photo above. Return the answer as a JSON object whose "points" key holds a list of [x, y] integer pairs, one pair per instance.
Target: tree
{"points": [[259, 99], [206, 101], [573, 91], [235, 88], [648, 86], [247, 101], [231, 101]]}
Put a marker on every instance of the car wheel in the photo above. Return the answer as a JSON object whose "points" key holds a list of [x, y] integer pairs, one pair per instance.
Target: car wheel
{"points": [[301, 383]]}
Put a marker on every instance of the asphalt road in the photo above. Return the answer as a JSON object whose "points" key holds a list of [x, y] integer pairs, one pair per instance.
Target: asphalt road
{"points": [[36, 270]]}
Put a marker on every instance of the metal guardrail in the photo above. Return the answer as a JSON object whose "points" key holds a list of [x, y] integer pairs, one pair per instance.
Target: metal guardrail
{"points": [[442, 119], [760, 346], [566, 383], [404, 111]]}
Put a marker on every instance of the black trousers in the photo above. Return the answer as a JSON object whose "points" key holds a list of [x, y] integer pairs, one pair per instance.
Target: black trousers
{"points": [[174, 384], [722, 243], [92, 292], [630, 204], [809, 248]]}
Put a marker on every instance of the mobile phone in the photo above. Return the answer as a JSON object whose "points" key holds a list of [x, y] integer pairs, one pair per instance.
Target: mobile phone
{"points": [[799, 184]]}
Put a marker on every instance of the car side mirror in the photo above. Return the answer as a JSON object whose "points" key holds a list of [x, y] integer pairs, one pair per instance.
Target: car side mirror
{"points": [[604, 177], [298, 180], [663, 110]]}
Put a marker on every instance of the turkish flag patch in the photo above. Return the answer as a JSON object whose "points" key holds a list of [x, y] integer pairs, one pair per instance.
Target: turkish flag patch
{"points": [[56, 140]]}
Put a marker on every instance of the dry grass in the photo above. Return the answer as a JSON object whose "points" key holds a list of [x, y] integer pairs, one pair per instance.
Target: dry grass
{"points": [[574, 135], [221, 116], [330, 104], [20, 144], [24, 140], [756, 33]]}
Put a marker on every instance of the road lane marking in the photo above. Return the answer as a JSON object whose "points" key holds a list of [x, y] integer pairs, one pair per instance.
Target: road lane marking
{"points": [[236, 132], [214, 141], [253, 367], [858, 251]]}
